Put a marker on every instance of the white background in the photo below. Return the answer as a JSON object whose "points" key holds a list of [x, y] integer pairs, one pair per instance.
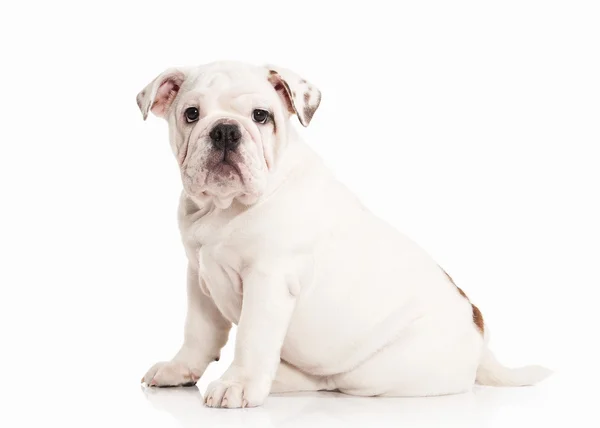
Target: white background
{"points": [[470, 126]]}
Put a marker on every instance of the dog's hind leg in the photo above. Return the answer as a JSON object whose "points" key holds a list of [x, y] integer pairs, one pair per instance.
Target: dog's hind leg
{"points": [[425, 363]]}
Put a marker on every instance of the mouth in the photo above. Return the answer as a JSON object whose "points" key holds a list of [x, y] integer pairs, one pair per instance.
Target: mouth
{"points": [[224, 163]]}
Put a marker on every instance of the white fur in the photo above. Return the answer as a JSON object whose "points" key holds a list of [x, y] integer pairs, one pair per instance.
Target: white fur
{"points": [[325, 294]]}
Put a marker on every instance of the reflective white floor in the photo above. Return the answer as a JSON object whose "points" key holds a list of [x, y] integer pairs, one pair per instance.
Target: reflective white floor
{"points": [[109, 401], [484, 407]]}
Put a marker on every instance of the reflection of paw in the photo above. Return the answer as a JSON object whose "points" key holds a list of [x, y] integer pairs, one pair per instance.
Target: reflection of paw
{"points": [[177, 401], [234, 393], [170, 373]]}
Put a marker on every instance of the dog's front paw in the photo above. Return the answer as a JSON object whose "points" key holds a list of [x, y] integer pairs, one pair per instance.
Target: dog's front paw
{"points": [[170, 373], [234, 392]]}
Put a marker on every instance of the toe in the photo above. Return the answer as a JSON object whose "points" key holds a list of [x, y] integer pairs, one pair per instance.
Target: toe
{"points": [[233, 397], [215, 393], [147, 379]]}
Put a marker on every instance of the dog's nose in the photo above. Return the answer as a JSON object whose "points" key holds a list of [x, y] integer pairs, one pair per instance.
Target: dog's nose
{"points": [[225, 136]]}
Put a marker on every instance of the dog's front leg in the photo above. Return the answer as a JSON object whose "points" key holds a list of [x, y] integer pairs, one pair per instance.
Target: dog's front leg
{"points": [[205, 333], [266, 311]]}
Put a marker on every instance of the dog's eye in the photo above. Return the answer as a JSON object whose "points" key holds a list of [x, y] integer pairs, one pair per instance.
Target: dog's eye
{"points": [[191, 114], [260, 116]]}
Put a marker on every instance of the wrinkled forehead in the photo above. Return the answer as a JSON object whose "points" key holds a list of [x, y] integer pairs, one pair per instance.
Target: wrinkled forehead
{"points": [[229, 80]]}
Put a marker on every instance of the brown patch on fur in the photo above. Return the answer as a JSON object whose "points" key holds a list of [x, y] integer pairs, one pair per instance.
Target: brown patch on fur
{"points": [[302, 81], [477, 316], [308, 113], [309, 110]]}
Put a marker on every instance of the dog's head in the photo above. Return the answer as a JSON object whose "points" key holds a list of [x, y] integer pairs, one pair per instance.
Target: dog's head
{"points": [[227, 123]]}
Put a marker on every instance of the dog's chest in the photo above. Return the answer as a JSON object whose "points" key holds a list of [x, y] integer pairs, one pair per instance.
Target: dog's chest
{"points": [[219, 270]]}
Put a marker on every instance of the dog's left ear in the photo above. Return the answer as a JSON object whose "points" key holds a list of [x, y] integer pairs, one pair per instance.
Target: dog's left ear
{"points": [[299, 96], [159, 94]]}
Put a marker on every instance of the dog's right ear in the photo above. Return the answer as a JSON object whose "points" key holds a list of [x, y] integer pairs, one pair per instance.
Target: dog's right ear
{"points": [[299, 96], [159, 94]]}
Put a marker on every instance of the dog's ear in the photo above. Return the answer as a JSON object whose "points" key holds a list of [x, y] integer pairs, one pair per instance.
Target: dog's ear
{"points": [[298, 95], [159, 94]]}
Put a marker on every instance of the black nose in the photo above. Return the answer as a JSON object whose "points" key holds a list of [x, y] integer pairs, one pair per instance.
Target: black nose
{"points": [[224, 136]]}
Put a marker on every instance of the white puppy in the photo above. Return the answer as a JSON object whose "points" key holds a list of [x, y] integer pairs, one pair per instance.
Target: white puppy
{"points": [[326, 295]]}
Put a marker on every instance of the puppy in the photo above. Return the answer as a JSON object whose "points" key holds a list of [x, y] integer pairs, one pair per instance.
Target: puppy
{"points": [[326, 295]]}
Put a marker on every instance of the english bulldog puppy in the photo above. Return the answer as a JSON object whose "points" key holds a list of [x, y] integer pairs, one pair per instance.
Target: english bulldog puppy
{"points": [[325, 295]]}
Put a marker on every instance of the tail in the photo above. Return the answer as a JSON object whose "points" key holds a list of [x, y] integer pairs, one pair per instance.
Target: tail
{"points": [[491, 372]]}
